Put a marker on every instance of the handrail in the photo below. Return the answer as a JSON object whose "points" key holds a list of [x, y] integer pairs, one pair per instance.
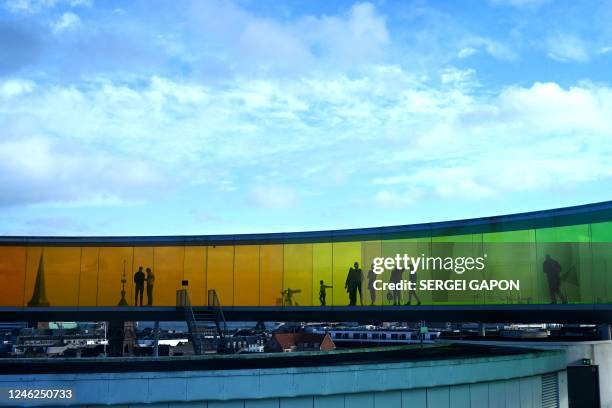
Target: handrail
{"points": [[214, 303], [182, 301]]}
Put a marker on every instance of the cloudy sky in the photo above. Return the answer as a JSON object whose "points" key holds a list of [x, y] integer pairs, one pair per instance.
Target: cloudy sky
{"points": [[197, 117]]}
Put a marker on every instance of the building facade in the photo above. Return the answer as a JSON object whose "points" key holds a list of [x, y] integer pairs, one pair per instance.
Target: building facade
{"points": [[288, 269]]}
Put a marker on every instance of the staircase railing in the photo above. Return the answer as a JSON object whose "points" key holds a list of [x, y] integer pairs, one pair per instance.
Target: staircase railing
{"points": [[182, 301], [215, 304]]}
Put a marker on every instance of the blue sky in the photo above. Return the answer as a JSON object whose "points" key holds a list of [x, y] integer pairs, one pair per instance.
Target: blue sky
{"points": [[198, 117]]}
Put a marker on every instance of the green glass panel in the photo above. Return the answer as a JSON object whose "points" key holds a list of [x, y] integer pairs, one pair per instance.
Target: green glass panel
{"points": [[601, 232], [453, 247], [509, 236], [568, 247], [414, 248]]}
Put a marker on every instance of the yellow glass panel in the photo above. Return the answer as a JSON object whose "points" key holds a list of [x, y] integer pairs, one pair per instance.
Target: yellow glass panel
{"points": [[297, 279], [88, 278], [113, 263], [246, 274], [12, 275], [322, 270], [221, 272], [168, 274], [195, 273], [345, 255], [143, 256], [271, 273]]}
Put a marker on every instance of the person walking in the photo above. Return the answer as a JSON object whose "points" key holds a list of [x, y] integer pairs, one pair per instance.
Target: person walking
{"points": [[323, 292], [396, 278], [371, 280], [552, 269], [414, 282]]}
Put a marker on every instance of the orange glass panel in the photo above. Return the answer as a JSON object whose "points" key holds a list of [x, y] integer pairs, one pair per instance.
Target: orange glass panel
{"points": [[33, 259], [220, 275], [12, 275], [168, 273], [61, 277], [88, 278], [271, 275], [297, 279], [194, 271], [246, 274], [114, 262]]}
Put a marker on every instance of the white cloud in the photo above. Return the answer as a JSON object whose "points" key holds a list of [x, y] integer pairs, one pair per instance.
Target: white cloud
{"points": [[492, 47], [564, 48], [319, 132], [36, 6], [275, 197], [543, 137], [68, 21], [457, 76], [445, 182], [37, 169], [466, 52], [547, 108], [359, 35], [15, 87]]}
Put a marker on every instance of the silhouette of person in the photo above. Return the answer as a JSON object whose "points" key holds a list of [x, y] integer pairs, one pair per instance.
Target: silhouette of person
{"points": [[396, 277], [150, 282], [288, 296], [323, 292], [552, 269], [371, 279], [353, 283], [139, 279], [414, 281], [359, 281]]}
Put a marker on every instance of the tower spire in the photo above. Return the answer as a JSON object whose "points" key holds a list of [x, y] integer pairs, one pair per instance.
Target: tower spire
{"points": [[39, 296]]}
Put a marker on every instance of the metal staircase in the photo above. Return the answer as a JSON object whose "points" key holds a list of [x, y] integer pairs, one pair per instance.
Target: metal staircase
{"points": [[204, 336]]}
